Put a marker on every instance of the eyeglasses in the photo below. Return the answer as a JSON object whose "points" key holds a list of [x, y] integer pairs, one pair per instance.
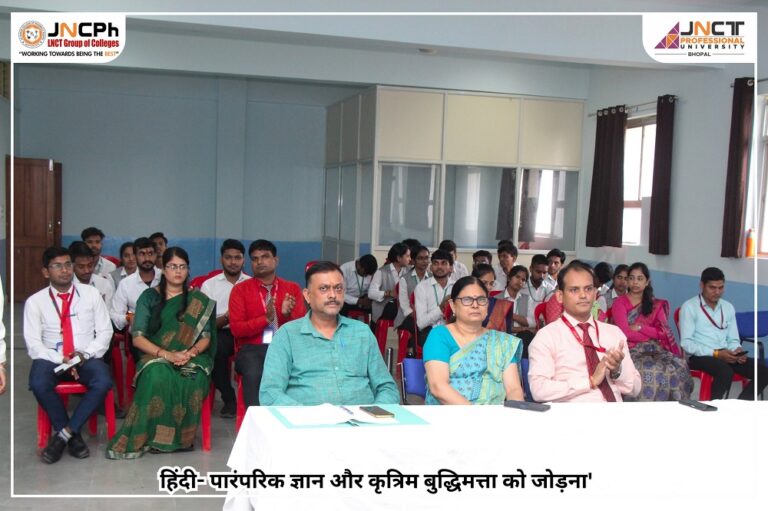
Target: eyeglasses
{"points": [[60, 266], [176, 267], [467, 301]]}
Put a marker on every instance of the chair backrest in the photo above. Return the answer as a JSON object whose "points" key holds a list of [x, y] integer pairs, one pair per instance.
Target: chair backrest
{"points": [[412, 378], [197, 282], [746, 325], [310, 265], [113, 259], [538, 314]]}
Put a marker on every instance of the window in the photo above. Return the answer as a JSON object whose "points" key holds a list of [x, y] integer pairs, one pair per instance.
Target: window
{"points": [[639, 146], [471, 205], [548, 209], [538, 206], [408, 200], [763, 181]]}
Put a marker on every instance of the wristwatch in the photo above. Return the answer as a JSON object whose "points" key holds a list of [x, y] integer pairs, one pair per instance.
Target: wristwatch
{"points": [[615, 374]]}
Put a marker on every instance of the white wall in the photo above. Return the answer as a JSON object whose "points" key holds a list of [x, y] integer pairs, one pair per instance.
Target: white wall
{"points": [[700, 154]]}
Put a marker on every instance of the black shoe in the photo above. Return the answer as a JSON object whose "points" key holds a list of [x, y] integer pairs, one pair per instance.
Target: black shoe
{"points": [[77, 447], [119, 413], [228, 411], [53, 451]]}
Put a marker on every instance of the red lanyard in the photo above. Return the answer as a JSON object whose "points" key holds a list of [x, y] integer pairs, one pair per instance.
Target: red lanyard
{"points": [[580, 340], [721, 326]]}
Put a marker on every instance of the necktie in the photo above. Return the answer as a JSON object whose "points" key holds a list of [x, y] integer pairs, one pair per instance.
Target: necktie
{"points": [[591, 354], [66, 326], [267, 303]]}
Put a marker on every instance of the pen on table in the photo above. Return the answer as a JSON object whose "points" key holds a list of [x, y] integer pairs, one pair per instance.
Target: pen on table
{"points": [[347, 410]]}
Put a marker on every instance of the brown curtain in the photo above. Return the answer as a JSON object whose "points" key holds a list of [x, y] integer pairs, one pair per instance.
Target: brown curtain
{"points": [[658, 236], [505, 222], [606, 202], [738, 163]]}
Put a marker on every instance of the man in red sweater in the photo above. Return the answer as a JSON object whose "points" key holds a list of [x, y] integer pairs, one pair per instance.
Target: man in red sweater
{"points": [[258, 305]]}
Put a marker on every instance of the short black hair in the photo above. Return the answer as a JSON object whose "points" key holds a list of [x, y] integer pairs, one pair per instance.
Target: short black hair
{"points": [[232, 244], [620, 268], [91, 231], [369, 264], [143, 242], [556, 252], [575, 265], [79, 249], [412, 243], [538, 259], [262, 245], [448, 245], [158, 235], [517, 269], [483, 269], [603, 272], [319, 267], [482, 253], [397, 250], [507, 247], [124, 246], [51, 253], [712, 273], [442, 255]]}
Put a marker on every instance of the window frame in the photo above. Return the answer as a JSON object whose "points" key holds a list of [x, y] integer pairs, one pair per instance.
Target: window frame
{"points": [[637, 122], [762, 225]]}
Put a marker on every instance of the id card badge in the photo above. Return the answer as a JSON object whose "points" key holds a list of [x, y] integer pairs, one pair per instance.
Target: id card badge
{"points": [[266, 337]]}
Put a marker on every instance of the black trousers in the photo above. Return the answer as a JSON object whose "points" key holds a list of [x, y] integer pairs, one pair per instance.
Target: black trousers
{"points": [[408, 325], [722, 373], [225, 348], [347, 308], [249, 364], [526, 336]]}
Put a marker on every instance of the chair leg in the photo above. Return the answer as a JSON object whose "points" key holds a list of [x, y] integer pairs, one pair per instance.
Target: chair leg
{"points": [[705, 393], [43, 428], [109, 414], [205, 421], [402, 348], [117, 372], [240, 405]]}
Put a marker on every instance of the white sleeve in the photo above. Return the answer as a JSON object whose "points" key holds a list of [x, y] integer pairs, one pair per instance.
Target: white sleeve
{"points": [[119, 307], [33, 335], [375, 292], [102, 328]]}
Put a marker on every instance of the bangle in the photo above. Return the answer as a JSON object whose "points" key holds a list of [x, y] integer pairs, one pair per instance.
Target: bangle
{"points": [[157, 353], [715, 353]]}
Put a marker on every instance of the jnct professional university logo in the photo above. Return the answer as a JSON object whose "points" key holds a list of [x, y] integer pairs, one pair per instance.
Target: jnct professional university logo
{"points": [[32, 34], [671, 40]]}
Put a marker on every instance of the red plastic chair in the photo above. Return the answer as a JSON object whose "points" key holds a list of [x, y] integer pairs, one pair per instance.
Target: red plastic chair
{"points": [[116, 260], [383, 325], [117, 366], [538, 314], [64, 389], [309, 265], [205, 418], [404, 336], [359, 315]]}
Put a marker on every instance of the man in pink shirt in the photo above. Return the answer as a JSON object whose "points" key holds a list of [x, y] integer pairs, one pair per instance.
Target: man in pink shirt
{"points": [[577, 358]]}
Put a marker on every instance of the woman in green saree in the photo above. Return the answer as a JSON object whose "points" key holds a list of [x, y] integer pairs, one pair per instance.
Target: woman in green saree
{"points": [[175, 329], [467, 363]]}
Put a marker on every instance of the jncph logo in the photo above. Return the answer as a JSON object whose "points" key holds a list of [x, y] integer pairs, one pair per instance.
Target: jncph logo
{"points": [[86, 29]]}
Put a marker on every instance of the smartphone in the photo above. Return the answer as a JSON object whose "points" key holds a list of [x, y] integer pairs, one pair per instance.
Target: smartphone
{"points": [[378, 412], [698, 405], [525, 405]]}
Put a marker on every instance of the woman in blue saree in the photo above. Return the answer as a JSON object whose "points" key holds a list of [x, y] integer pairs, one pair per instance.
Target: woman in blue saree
{"points": [[465, 362]]}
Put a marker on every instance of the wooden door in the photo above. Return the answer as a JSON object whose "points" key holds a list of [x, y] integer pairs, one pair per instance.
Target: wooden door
{"points": [[36, 218]]}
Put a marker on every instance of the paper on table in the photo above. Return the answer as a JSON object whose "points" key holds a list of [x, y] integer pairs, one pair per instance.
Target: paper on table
{"points": [[328, 414]]}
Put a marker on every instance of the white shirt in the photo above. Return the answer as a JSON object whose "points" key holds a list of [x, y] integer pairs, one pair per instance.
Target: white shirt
{"points": [[550, 282], [90, 324], [403, 300], [459, 270], [119, 274], [219, 288], [516, 307], [536, 295], [375, 292], [105, 288], [355, 286], [127, 294], [501, 278], [104, 267], [428, 296]]}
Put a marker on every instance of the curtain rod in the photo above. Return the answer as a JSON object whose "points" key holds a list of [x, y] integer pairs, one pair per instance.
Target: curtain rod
{"points": [[753, 81], [631, 107]]}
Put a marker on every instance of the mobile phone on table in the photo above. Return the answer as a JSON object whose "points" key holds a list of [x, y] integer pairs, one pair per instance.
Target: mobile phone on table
{"points": [[378, 412], [698, 405], [526, 405]]}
